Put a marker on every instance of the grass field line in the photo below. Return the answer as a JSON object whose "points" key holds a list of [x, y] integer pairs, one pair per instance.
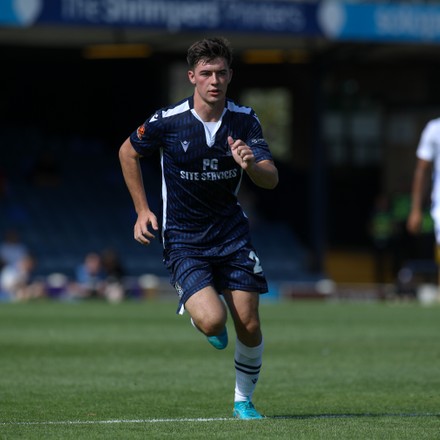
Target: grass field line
{"points": [[117, 421], [214, 419]]}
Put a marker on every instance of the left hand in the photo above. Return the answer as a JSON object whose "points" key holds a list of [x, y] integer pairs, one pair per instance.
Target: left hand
{"points": [[241, 152]]}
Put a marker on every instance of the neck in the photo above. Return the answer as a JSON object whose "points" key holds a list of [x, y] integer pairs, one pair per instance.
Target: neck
{"points": [[208, 112]]}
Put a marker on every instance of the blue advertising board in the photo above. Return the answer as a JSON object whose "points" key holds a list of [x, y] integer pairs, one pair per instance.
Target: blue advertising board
{"points": [[332, 19], [386, 22], [278, 16]]}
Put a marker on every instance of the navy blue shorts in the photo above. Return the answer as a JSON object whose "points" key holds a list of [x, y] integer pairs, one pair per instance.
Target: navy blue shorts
{"points": [[192, 270]]}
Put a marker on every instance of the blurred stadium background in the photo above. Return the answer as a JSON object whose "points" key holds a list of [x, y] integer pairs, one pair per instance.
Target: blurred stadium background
{"points": [[343, 90]]}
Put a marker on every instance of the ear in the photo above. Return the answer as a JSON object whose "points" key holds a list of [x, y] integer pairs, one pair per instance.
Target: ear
{"points": [[230, 75], [191, 77]]}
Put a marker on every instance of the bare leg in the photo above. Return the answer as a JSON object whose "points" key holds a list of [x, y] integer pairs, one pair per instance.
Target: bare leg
{"points": [[244, 311], [208, 311]]}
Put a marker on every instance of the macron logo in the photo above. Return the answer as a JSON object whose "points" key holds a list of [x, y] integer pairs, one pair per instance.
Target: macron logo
{"points": [[185, 145]]}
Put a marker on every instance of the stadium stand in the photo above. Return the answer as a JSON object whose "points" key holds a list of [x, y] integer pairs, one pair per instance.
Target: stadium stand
{"points": [[87, 208]]}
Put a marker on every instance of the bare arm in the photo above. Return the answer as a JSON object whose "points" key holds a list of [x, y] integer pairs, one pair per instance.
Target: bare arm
{"points": [[419, 187], [264, 173], [131, 171]]}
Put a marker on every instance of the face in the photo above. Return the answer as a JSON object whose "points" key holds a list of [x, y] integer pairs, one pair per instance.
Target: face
{"points": [[211, 80]]}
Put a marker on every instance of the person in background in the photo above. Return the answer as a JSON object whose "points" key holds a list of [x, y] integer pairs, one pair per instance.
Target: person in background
{"points": [[381, 228], [18, 282], [427, 170], [208, 144], [114, 273], [89, 278], [111, 265], [12, 249]]}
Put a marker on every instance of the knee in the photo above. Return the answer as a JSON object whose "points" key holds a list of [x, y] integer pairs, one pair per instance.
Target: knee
{"points": [[249, 332], [211, 328], [211, 325], [207, 311], [251, 327]]}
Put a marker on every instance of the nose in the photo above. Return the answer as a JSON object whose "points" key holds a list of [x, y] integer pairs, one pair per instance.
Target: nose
{"points": [[215, 78]]}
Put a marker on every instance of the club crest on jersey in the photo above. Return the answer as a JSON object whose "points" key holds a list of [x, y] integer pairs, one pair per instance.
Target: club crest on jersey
{"points": [[185, 145], [140, 132]]}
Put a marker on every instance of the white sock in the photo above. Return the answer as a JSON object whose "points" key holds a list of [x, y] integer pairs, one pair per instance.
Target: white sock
{"points": [[247, 370]]}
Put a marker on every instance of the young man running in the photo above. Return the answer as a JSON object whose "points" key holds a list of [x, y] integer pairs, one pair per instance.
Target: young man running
{"points": [[206, 143]]}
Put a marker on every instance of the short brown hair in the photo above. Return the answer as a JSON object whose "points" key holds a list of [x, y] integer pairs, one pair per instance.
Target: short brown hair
{"points": [[209, 49]]}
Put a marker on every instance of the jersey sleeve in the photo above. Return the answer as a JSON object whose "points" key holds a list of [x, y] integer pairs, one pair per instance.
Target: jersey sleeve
{"points": [[429, 140], [256, 141], [147, 137]]}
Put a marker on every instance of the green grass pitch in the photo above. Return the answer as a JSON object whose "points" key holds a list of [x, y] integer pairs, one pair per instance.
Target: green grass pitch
{"points": [[137, 370]]}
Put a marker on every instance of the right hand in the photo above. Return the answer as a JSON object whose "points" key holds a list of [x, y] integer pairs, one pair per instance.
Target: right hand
{"points": [[142, 234]]}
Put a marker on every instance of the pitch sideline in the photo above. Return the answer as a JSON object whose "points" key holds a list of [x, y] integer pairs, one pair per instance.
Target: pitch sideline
{"points": [[212, 419], [108, 422]]}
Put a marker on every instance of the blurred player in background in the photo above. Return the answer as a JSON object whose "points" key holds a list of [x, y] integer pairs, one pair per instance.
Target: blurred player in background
{"points": [[206, 143], [427, 167]]}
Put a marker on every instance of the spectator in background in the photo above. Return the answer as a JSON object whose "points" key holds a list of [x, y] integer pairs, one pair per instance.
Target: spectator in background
{"points": [[381, 232], [112, 266], [114, 273], [12, 250], [402, 242], [89, 278], [17, 280]]}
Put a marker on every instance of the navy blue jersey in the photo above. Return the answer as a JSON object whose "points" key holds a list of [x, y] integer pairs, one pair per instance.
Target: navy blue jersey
{"points": [[200, 178]]}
